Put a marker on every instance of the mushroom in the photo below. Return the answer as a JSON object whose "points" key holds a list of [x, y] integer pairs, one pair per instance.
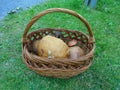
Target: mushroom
{"points": [[75, 52], [72, 42]]}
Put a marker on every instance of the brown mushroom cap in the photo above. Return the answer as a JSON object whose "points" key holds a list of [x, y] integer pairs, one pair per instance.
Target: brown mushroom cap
{"points": [[72, 42]]}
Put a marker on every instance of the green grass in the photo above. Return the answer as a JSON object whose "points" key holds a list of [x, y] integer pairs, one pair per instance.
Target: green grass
{"points": [[104, 74]]}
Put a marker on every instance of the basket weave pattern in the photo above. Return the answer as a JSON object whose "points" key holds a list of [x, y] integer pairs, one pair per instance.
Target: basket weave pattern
{"points": [[57, 67]]}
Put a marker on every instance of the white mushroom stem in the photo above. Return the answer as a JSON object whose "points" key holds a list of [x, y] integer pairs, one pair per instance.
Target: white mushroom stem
{"points": [[50, 54]]}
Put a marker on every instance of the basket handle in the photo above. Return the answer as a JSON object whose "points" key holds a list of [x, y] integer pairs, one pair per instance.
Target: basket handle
{"points": [[35, 18]]}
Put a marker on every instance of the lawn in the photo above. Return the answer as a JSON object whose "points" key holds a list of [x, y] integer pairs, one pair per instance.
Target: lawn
{"points": [[104, 73]]}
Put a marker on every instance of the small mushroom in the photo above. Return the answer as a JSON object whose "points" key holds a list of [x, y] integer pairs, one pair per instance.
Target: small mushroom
{"points": [[72, 42], [76, 52]]}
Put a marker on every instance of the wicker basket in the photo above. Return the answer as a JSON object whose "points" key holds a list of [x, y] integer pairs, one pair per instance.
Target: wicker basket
{"points": [[60, 68]]}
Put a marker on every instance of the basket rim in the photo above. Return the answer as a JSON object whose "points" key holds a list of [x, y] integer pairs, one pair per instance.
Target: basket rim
{"points": [[58, 29]]}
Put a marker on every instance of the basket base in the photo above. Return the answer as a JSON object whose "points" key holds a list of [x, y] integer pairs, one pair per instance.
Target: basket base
{"points": [[58, 73]]}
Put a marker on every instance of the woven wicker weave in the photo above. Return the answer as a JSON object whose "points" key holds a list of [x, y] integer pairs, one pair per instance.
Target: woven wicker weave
{"points": [[58, 67]]}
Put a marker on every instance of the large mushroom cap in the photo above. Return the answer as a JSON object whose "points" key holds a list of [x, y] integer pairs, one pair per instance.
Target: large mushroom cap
{"points": [[56, 46]]}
